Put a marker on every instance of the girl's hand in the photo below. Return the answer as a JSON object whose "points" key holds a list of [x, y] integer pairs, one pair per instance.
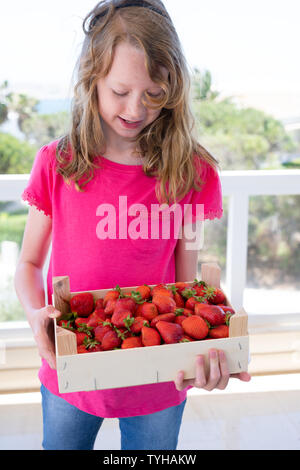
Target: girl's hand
{"points": [[217, 377], [43, 332]]}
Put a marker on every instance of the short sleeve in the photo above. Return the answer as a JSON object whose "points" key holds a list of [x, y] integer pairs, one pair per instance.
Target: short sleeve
{"points": [[206, 203], [38, 191]]}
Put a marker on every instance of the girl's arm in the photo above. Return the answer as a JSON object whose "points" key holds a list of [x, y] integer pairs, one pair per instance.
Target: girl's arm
{"points": [[186, 253], [29, 283]]}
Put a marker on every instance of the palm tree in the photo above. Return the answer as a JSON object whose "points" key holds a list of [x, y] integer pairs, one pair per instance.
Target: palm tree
{"points": [[202, 83]]}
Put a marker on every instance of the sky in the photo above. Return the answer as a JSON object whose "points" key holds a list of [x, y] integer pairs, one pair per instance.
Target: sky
{"points": [[251, 47]]}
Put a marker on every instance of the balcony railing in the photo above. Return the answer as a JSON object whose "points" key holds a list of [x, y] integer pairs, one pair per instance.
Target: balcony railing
{"points": [[238, 186]]}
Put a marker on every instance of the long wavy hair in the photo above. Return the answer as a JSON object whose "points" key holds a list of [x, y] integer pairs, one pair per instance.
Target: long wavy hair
{"points": [[168, 145]]}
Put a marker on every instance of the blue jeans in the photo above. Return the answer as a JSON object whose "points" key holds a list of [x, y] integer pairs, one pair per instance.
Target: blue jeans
{"points": [[68, 428]]}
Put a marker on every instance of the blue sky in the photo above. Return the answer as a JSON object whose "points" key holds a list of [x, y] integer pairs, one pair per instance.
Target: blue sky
{"points": [[250, 46]]}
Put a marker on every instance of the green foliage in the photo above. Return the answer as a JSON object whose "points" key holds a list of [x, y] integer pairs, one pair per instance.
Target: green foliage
{"points": [[12, 227], [16, 157], [43, 128], [241, 139]]}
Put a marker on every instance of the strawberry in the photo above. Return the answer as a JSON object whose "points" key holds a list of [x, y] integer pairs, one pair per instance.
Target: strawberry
{"points": [[214, 295], [211, 313], [147, 310], [80, 337], [110, 341], [186, 339], [170, 317], [125, 303], [81, 349], [81, 322], [179, 300], [96, 348], [164, 303], [132, 342], [138, 324], [119, 317], [82, 304], [150, 336], [199, 287], [96, 318], [99, 304], [192, 301], [68, 324], [221, 331], [226, 309], [195, 326], [180, 286], [101, 330], [161, 289], [179, 319], [110, 306], [144, 291], [111, 295], [170, 332]]}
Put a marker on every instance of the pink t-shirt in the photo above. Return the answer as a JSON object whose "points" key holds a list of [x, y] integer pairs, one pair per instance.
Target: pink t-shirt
{"points": [[80, 251]]}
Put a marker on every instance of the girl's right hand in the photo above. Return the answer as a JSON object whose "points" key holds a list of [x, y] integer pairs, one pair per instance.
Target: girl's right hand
{"points": [[43, 332]]}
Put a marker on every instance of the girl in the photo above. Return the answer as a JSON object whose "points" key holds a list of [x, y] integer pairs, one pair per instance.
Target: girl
{"points": [[131, 138]]}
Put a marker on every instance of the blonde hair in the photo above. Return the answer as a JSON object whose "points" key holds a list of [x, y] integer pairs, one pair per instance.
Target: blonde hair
{"points": [[169, 144]]}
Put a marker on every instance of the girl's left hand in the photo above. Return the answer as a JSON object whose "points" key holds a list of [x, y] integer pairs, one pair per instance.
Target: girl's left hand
{"points": [[217, 377]]}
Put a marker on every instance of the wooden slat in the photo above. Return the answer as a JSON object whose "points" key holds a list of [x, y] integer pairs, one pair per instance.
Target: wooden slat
{"points": [[238, 325]]}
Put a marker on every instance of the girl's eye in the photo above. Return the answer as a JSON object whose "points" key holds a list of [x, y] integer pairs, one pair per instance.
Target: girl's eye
{"points": [[154, 96], [119, 94]]}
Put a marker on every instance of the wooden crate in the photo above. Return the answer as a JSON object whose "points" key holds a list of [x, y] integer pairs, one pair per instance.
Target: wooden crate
{"points": [[138, 366]]}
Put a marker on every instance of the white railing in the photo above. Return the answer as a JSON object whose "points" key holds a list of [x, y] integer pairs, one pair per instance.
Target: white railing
{"points": [[238, 186]]}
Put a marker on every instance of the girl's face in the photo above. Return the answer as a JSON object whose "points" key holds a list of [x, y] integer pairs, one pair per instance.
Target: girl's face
{"points": [[120, 95]]}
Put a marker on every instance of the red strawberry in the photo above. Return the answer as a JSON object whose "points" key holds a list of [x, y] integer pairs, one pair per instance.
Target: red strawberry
{"points": [[214, 295], [170, 317], [179, 319], [110, 341], [101, 330], [180, 286], [138, 324], [96, 318], [111, 295], [195, 326], [192, 301], [82, 304], [161, 289], [81, 322], [226, 309], [144, 291], [212, 313], [170, 332], [95, 348], [80, 337], [199, 287], [132, 342], [186, 339], [110, 306], [179, 300], [119, 317], [221, 331], [125, 303], [150, 336], [147, 310], [68, 324], [164, 303], [99, 304], [81, 349]]}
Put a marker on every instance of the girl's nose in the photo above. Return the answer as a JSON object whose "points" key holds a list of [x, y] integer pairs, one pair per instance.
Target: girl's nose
{"points": [[135, 109]]}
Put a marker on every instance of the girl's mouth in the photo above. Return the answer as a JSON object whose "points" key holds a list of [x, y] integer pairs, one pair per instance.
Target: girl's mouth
{"points": [[130, 125]]}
